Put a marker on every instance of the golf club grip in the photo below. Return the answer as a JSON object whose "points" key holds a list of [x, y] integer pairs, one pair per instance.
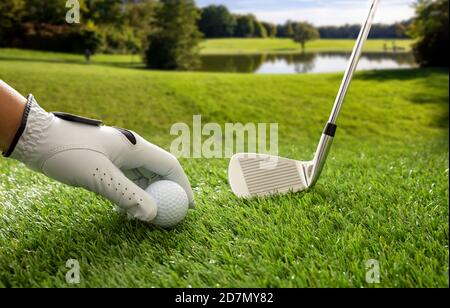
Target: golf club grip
{"points": [[356, 54]]}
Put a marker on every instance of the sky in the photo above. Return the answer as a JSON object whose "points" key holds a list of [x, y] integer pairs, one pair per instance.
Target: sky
{"points": [[318, 12]]}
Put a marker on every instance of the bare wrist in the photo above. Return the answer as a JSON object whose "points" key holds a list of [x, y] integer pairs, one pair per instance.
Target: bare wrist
{"points": [[12, 109]]}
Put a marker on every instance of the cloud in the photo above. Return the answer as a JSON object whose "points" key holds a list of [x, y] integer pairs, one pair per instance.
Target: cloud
{"points": [[319, 12]]}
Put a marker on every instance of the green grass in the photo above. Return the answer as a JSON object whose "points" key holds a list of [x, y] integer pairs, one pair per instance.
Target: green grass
{"points": [[383, 194], [252, 46]]}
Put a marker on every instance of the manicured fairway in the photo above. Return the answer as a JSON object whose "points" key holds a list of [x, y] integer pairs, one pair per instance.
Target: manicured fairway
{"points": [[383, 194]]}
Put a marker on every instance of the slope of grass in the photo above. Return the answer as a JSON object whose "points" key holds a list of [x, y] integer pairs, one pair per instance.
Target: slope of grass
{"points": [[256, 46], [383, 195]]}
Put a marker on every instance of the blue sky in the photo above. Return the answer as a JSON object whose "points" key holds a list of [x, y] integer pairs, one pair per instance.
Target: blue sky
{"points": [[319, 12]]}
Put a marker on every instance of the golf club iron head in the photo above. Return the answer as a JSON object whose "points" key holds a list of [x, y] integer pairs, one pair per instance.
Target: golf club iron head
{"points": [[260, 175], [263, 175]]}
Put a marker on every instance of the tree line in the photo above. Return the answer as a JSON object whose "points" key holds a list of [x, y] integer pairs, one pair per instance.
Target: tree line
{"points": [[109, 26], [217, 21], [398, 30], [123, 26]]}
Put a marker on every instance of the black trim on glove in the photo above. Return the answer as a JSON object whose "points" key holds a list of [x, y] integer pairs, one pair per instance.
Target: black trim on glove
{"points": [[77, 119], [21, 129], [127, 134]]}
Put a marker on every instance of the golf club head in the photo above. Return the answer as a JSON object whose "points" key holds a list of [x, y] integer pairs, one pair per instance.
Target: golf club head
{"points": [[260, 175]]}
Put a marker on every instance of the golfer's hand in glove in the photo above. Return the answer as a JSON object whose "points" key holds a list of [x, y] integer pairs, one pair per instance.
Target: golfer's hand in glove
{"points": [[113, 162]]}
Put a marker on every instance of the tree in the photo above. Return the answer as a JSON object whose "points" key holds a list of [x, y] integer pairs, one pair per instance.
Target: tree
{"points": [[304, 32], [11, 12], [105, 11], [48, 12], [174, 42], [285, 30], [343, 32], [271, 29], [245, 26], [139, 17], [378, 31], [289, 29], [217, 22], [430, 28], [260, 31]]}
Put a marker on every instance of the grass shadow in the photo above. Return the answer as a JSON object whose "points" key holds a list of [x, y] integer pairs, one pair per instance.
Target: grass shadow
{"points": [[286, 49], [443, 121], [427, 80], [401, 74]]}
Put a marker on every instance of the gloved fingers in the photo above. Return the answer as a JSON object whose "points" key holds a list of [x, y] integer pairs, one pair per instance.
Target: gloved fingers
{"points": [[95, 172], [136, 176], [177, 175], [127, 195], [167, 166]]}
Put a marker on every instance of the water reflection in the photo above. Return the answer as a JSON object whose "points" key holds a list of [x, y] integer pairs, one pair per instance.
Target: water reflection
{"points": [[302, 63]]}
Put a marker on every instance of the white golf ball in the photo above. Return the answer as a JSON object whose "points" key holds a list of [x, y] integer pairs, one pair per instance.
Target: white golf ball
{"points": [[172, 203]]}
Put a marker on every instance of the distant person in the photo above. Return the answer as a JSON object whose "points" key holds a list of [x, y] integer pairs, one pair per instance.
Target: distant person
{"points": [[87, 55], [385, 47], [113, 162]]}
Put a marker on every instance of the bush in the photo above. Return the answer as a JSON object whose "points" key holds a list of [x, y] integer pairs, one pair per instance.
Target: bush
{"points": [[110, 26], [119, 40], [63, 38], [72, 38]]}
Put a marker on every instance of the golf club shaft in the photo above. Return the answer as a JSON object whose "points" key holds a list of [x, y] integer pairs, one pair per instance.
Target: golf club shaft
{"points": [[356, 54], [326, 140]]}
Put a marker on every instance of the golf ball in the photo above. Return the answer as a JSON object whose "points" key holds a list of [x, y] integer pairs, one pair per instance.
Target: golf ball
{"points": [[172, 202]]}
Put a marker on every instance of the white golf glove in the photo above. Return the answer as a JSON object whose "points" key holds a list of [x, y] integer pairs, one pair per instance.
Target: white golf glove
{"points": [[115, 163]]}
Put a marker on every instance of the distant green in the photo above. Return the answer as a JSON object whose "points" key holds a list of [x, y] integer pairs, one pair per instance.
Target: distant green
{"points": [[251, 46]]}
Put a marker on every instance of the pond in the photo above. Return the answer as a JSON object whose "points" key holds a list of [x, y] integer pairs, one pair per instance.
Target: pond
{"points": [[303, 63]]}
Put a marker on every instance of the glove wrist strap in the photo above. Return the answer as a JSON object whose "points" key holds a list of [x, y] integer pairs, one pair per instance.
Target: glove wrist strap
{"points": [[35, 123]]}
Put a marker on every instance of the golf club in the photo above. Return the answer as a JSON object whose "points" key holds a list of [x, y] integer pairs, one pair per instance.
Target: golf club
{"points": [[260, 175]]}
